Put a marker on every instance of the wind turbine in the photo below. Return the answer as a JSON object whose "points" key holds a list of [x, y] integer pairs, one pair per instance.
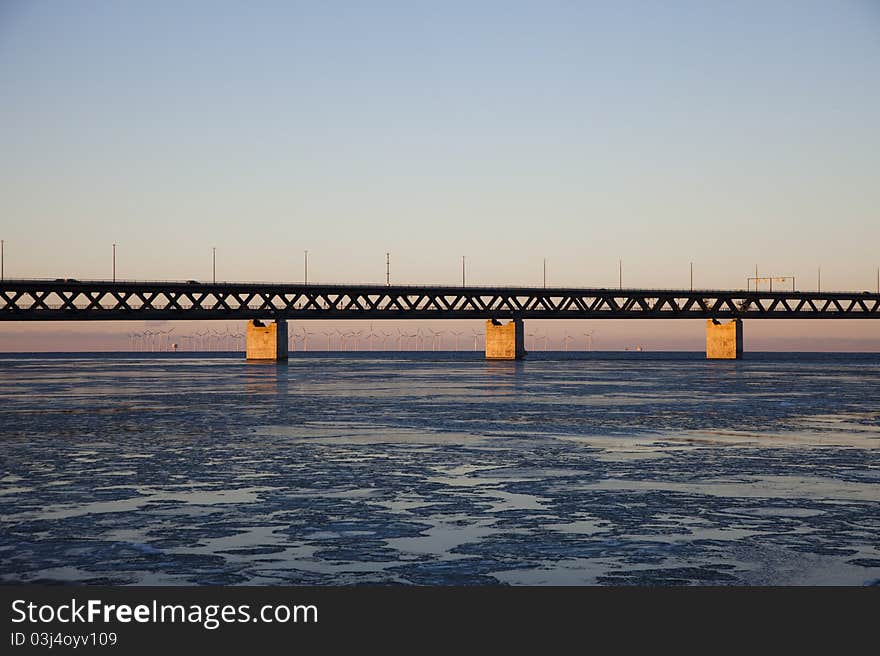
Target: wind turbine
{"points": [[589, 340], [435, 337], [476, 337], [371, 335], [328, 333], [385, 336], [565, 341], [156, 339], [201, 340], [217, 336], [399, 339], [457, 335], [305, 334]]}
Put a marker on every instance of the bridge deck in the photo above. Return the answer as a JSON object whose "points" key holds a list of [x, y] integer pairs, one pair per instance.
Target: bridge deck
{"points": [[70, 300]]}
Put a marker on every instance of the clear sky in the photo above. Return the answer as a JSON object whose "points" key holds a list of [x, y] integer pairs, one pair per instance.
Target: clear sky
{"points": [[729, 134]]}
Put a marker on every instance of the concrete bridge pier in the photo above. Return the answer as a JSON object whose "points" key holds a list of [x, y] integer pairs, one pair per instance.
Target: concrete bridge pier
{"points": [[724, 341], [267, 343], [505, 341]]}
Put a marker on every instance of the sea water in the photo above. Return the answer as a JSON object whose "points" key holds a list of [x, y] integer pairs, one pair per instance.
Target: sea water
{"points": [[440, 468]]}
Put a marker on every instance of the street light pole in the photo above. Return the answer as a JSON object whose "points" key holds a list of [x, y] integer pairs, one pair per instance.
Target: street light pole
{"points": [[214, 265], [462, 271], [387, 278], [2, 263], [114, 262], [620, 273], [545, 273], [692, 276], [306, 276]]}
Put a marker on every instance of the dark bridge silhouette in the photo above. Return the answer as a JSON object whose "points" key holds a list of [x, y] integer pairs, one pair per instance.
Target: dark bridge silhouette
{"points": [[73, 300]]}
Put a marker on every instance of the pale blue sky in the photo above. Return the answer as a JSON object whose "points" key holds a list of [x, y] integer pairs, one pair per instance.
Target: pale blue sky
{"points": [[727, 133]]}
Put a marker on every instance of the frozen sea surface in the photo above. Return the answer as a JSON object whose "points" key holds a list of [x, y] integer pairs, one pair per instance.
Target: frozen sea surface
{"points": [[588, 468]]}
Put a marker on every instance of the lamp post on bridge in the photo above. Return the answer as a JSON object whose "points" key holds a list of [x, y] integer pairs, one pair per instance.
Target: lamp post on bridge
{"points": [[462, 271], [306, 265], [214, 265], [2, 263], [114, 262]]}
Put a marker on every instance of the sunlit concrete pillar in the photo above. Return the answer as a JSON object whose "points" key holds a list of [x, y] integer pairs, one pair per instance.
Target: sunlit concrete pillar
{"points": [[724, 341], [505, 341], [267, 342]]}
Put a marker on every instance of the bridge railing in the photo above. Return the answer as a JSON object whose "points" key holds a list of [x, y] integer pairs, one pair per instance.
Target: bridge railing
{"points": [[378, 287]]}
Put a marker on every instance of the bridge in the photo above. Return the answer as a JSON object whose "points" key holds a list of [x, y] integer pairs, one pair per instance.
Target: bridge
{"points": [[74, 300]]}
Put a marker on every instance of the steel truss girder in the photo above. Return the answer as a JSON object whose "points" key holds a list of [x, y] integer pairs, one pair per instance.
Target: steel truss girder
{"points": [[34, 300]]}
